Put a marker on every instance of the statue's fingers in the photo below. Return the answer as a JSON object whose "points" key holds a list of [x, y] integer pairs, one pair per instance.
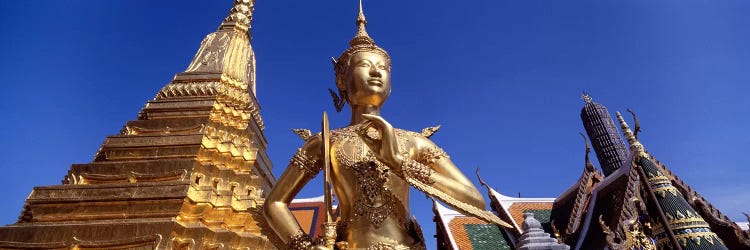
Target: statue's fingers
{"points": [[371, 120], [377, 120], [366, 137], [362, 130], [368, 117]]}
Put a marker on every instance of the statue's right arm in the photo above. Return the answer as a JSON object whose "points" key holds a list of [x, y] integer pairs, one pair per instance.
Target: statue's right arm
{"points": [[303, 166]]}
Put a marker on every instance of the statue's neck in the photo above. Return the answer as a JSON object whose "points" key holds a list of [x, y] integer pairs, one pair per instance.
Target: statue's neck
{"points": [[358, 111]]}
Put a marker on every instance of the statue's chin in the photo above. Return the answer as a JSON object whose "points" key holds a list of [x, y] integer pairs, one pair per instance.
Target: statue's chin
{"points": [[372, 100]]}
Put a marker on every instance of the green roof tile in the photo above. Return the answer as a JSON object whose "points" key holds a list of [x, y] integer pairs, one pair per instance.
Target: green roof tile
{"points": [[486, 237]]}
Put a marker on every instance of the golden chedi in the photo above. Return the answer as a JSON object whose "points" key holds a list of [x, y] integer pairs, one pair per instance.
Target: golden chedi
{"points": [[372, 166], [188, 173]]}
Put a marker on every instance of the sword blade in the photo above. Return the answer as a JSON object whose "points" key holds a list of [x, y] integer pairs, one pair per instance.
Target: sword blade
{"points": [[327, 194]]}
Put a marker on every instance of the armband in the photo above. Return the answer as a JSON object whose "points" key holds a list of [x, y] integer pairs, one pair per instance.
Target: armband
{"points": [[308, 166], [418, 171], [432, 154]]}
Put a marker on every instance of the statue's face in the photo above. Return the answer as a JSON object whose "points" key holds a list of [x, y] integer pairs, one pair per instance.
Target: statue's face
{"points": [[368, 79]]}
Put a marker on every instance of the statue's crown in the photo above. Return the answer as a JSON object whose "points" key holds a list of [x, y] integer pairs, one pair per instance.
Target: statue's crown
{"points": [[360, 43]]}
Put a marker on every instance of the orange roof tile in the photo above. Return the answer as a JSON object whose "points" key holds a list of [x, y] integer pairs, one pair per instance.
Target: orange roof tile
{"points": [[518, 208], [466, 235], [469, 233]]}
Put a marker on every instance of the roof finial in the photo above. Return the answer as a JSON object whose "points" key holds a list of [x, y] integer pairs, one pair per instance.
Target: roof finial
{"points": [[589, 165], [635, 146], [637, 124], [361, 37], [585, 96], [482, 181]]}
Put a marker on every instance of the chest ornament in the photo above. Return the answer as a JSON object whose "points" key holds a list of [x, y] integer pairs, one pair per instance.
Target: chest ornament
{"points": [[374, 201]]}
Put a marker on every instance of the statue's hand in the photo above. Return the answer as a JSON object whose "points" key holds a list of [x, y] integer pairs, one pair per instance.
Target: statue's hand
{"points": [[386, 144]]}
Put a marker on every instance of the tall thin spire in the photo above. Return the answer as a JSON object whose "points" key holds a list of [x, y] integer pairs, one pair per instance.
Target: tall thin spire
{"points": [[361, 37], [361, 17], [241, 14], [635, 146]]}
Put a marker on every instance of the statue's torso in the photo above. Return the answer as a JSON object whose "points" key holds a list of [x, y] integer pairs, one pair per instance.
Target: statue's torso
{"points": [[373, 200]]}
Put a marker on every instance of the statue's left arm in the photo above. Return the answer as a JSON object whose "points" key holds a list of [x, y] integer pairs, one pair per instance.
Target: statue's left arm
{"points": [[445, 177], [428, 169]]}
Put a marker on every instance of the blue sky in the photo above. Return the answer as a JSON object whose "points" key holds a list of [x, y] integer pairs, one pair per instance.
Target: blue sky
{"points": [[504, 79]]}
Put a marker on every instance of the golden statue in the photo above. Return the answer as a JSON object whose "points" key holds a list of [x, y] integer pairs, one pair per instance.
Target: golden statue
{"points": [[372, 166]]}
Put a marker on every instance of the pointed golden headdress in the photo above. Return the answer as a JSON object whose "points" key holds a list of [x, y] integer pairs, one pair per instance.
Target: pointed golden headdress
{"points": [[360, 43]]}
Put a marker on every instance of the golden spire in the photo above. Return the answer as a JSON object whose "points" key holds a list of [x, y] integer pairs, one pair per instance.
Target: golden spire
{"points": [[361, 18], [361, 37], [241, 13], [635, 146]]}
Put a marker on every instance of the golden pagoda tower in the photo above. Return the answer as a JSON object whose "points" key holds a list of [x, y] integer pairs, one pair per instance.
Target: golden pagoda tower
{"points": [[188, 173]]}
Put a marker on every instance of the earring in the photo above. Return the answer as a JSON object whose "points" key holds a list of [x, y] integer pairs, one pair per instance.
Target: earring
{"points": [[338, 102]]}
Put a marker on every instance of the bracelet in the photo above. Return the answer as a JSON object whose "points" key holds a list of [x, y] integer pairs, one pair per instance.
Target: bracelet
{"points": [[308, 166], [419, 171], [300, 241]]}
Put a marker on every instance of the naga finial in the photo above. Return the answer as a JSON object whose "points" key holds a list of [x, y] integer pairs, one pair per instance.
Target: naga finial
{"points": [[636, 122], [586, 97], [482, 181], [588, 150], [304, 134], [635, 146], [588, 146]]}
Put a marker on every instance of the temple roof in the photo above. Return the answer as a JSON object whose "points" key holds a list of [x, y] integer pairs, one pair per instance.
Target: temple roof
{"points": [[467, 233], [678, 200], [609, 199], [513, 208], [570, 207]]}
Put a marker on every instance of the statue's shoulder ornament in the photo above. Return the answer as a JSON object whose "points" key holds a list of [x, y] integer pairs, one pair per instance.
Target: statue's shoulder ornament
{"points": [[429, 131], [429, 153], [304, 134], [426, 132]]}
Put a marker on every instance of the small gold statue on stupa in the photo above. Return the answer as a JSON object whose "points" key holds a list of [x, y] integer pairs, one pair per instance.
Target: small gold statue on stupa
{"points": [[372, 166]]}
